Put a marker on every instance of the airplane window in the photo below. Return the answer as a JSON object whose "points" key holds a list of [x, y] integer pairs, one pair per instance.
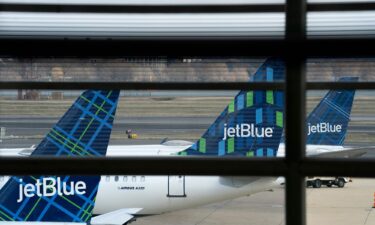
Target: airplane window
{"points": [[134, 178], [1, 178], [116, 178], [125, 179], [107, 178], [143, 178]]}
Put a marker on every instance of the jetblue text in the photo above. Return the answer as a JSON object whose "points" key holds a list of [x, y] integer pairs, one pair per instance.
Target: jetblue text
{"points": [[247, 130], [49, 186]]}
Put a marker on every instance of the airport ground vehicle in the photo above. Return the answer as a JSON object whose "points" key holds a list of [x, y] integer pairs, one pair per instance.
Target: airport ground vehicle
{"points": [[317, 182]]}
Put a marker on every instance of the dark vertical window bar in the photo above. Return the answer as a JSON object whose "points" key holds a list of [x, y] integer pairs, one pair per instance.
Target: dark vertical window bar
{"points": [[295, 113]]}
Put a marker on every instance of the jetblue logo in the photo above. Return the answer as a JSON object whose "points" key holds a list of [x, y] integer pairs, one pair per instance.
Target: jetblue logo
{"points": [[323, 128], [247, 130], [49, 186]]}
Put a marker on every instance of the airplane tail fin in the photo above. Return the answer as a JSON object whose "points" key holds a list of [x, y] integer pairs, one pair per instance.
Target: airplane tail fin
{"points": [[84, 130], [251, 125], [328, 122]]}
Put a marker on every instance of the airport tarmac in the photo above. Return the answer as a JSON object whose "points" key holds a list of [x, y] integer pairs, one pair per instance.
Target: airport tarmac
{"points": [[351, 205]]}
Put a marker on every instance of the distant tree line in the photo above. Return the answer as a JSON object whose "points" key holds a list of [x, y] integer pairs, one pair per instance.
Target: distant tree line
{"points": [[163, 69]]}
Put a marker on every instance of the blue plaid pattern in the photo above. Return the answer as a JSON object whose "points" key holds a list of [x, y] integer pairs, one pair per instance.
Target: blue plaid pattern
{"points": [[261, 108], [333, 110], [83, 131]]}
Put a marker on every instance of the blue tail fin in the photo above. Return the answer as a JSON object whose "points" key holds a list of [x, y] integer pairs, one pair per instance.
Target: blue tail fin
{"points": [[252, 123], [84, 130], [328, 122]]}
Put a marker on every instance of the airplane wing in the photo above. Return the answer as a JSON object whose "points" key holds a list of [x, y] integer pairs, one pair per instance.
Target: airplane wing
{"points": [[117, 217], [350, 153]]}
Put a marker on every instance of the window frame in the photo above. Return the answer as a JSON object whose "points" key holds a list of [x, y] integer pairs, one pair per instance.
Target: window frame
{"points": [[295, 48]]}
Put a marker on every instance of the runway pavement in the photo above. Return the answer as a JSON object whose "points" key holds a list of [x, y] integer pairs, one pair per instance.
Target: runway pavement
{"points": [[351, 205]]}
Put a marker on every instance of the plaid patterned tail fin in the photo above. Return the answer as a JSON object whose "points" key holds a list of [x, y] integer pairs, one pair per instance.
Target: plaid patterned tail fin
{"points": [[84, 130], [251, 125], [328, 122]]}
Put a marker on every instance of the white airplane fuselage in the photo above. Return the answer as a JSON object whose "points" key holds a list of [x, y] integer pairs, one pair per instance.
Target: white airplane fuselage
{"points": [[159, 194]]}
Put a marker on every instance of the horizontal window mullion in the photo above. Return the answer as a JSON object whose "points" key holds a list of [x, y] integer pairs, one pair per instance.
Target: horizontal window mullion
{"points": [[30, 47], [201, 8], [180, 85], [136, 165], [352, 6], [85, 8], [185, 165], [340, 85], [143, 85], [363, 167]]}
